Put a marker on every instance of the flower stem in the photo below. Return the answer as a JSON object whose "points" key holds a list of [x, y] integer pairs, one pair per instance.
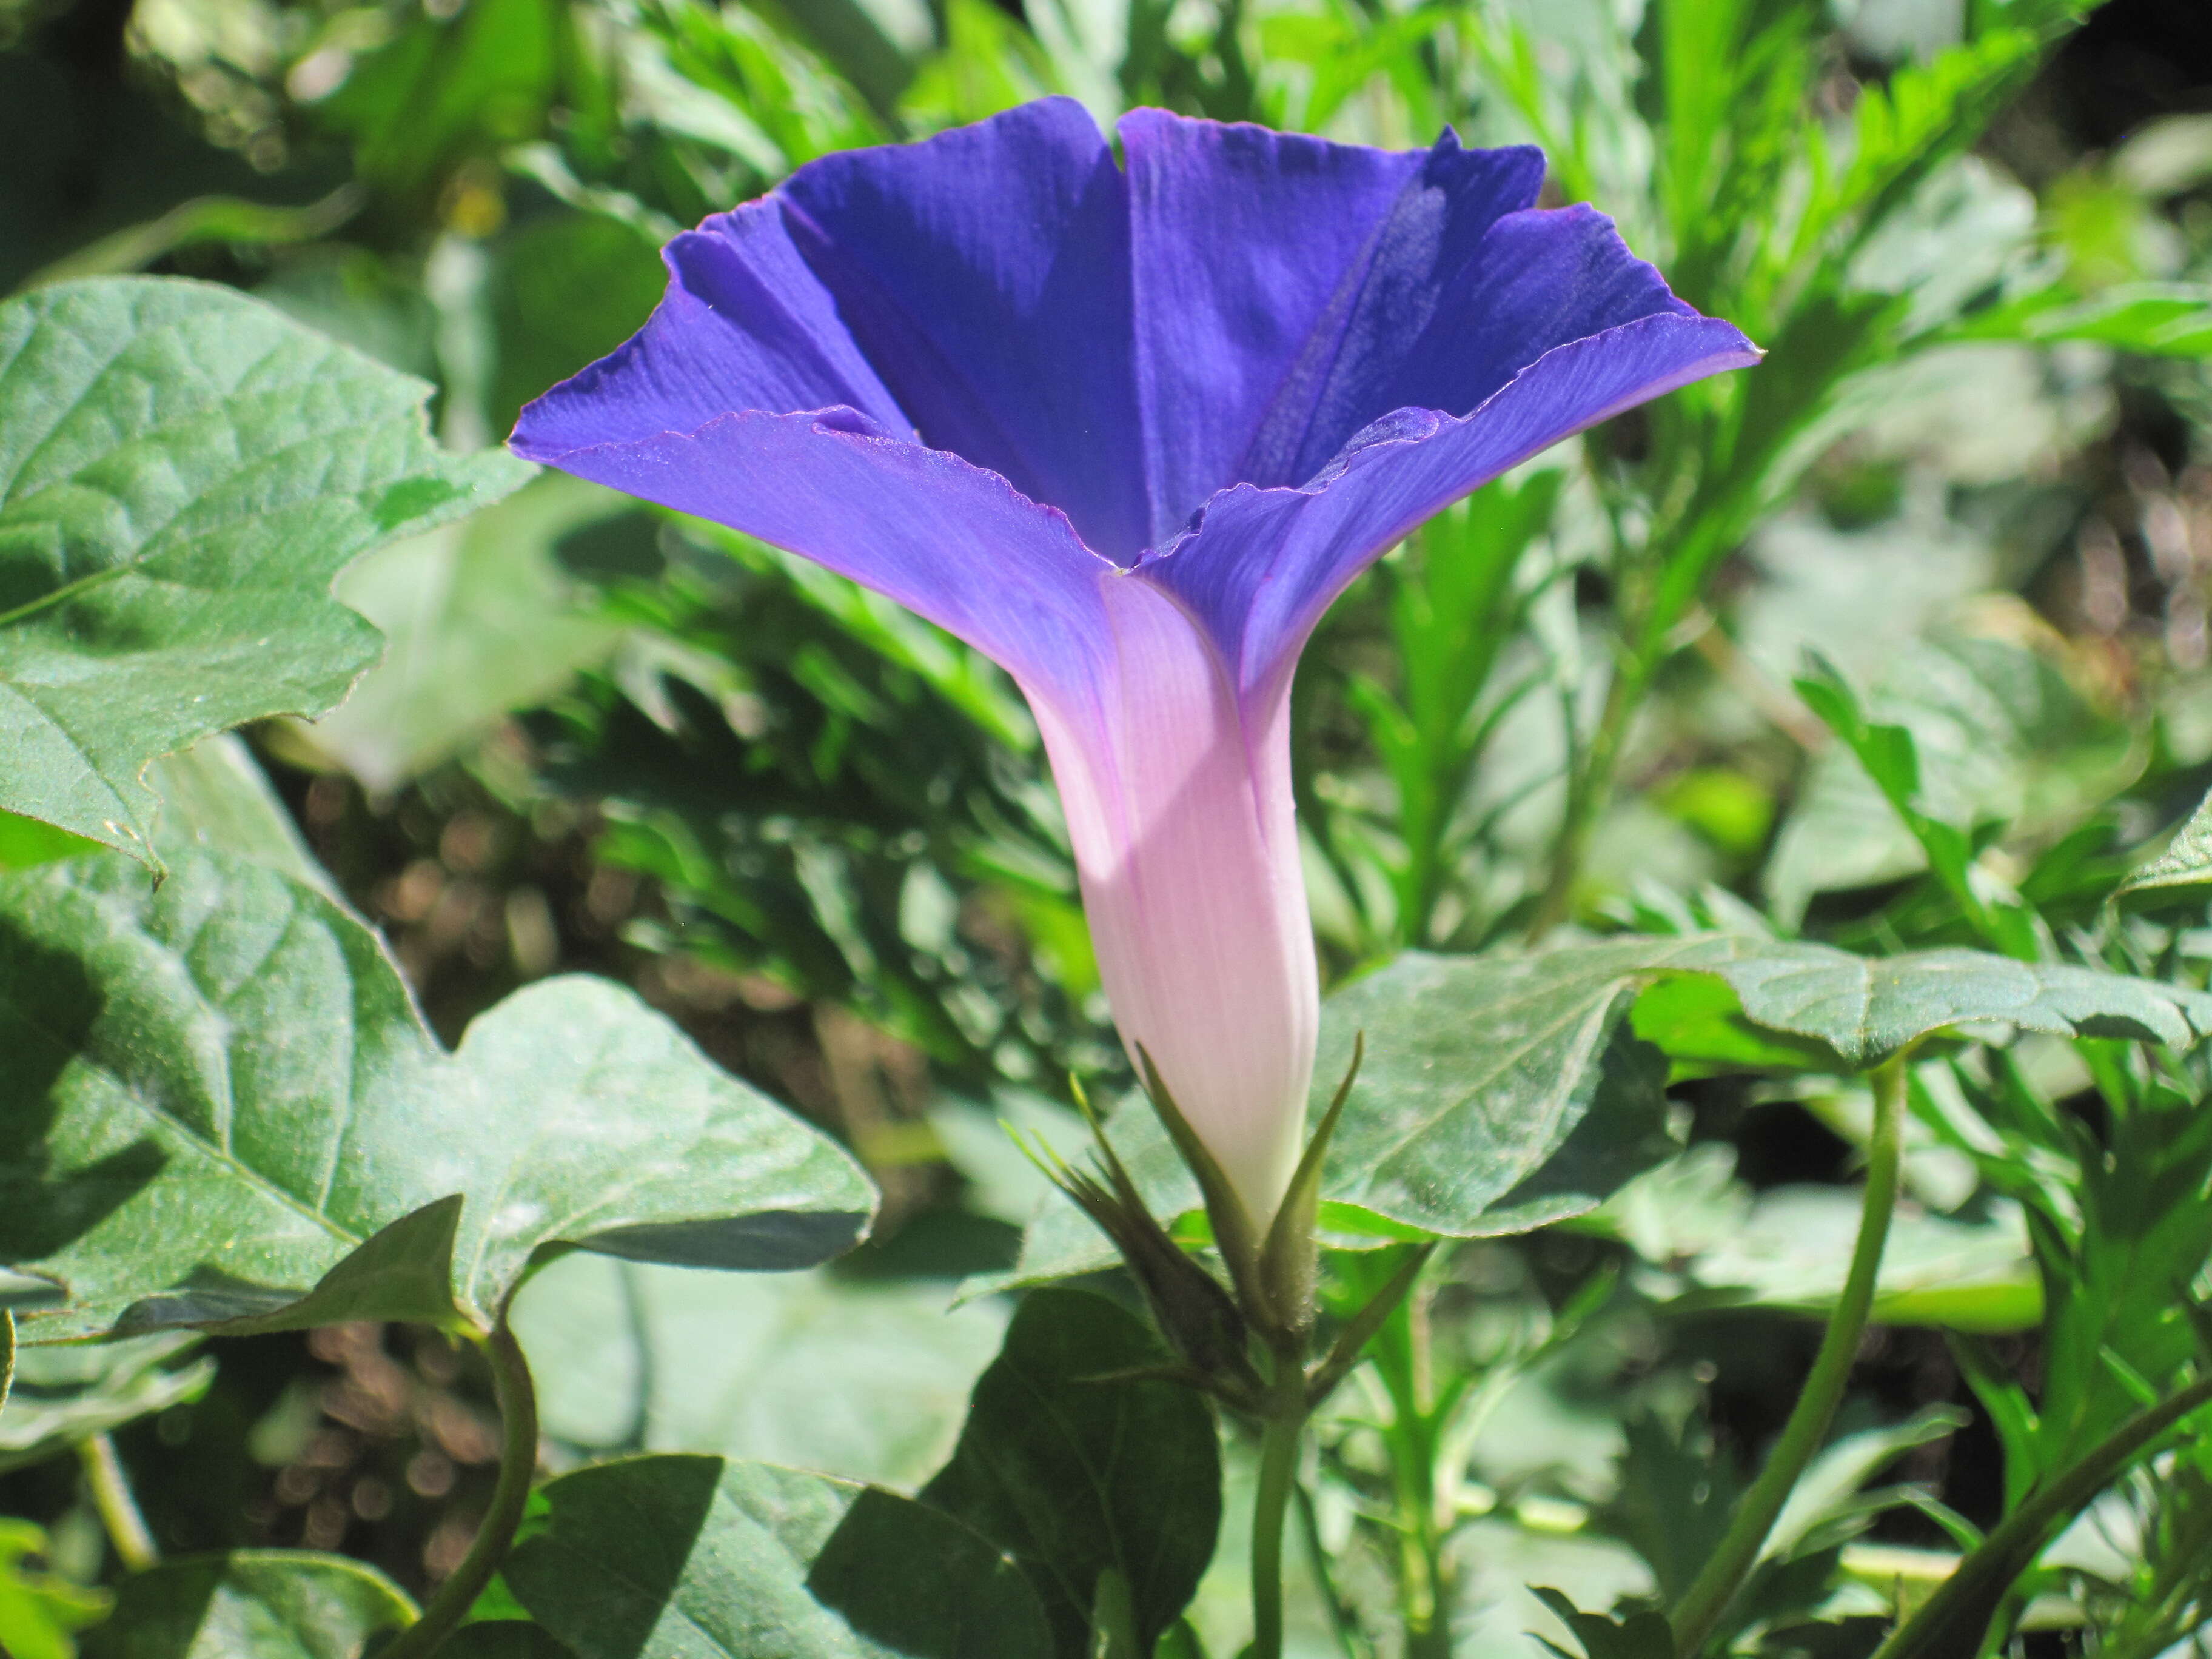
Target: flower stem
{"points": [[1723, 1575], [1279, 1437], [518, 1410], [119, 1509], [1952, 1620]]}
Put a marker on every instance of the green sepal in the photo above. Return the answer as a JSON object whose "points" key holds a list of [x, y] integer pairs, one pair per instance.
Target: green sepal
{"points": [[1360, 1329], [1235, 1233], [1199, 1317], [1290, 1261]]}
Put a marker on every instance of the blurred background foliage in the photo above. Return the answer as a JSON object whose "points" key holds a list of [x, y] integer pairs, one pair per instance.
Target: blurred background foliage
{"points": [[1975, 473]]}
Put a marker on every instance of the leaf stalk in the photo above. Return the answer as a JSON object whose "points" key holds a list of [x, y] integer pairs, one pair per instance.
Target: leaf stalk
{"points": [[1707, 1599], [517, 1397]]}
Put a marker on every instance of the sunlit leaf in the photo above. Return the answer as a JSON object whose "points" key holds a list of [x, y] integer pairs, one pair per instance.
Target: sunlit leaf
{"points": [[182, 472], [692, 1557], [231, 1113]]}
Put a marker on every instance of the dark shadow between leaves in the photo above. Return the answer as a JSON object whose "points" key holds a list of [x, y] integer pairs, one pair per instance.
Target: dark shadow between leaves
{"points": [[917, 1582], [767, 1241], [636, 1542]]}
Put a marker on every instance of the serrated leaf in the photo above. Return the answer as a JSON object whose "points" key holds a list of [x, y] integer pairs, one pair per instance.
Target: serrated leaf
{"points": [[270, 1604], [183, 471], [2186, 862], [1078, 1475], [231, 1113], [692, 1557]]}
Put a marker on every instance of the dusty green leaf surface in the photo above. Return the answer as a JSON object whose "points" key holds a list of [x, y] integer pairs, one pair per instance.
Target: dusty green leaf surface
{"points": [[1501, 1093], [1077, 1476], [694, 1557], [229, 1112], [251, 1604], [868, 1379], [183, 471]]}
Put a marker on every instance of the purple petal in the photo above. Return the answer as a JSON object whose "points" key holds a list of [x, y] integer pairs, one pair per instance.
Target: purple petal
{"points": [[1263, 564], [986, 274], [1278, 278], [743, 325], [949, 541]]}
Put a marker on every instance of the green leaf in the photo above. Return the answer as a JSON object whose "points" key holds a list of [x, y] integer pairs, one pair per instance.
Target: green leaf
{"points": [[268, 1604], [1502, 1094], [215, 796], [865, 1380], [182, 472], [2186, 862], [567, 289], [1640, 1636], [39, 1610], [26, 842], [1996, 733], [1079, 1475], [450, 87], [231, 1113], [1791, 1251], [478, 619], [1497, 1093], [66, 1394], [2160, 319], [692, 1557]]}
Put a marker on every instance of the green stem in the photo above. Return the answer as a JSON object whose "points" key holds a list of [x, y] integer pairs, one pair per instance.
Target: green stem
{"points": [[119, 1509], [1952, 1620], [1708, 1598], [1343, 1622], [1279, 1436], [518, 1462]]}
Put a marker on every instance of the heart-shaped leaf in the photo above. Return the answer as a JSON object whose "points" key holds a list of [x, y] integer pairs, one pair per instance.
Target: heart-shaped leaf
{"points": [[183, 471], [226, 1111], [271, 1604], [692, 1557], [1081, 1472]]}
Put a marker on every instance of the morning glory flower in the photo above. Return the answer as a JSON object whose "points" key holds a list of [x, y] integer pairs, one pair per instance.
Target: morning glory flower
{"points": [[1128, 429]]}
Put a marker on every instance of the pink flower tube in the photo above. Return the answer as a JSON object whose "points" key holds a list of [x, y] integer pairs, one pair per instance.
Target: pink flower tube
{"points": [[1130, 431]]}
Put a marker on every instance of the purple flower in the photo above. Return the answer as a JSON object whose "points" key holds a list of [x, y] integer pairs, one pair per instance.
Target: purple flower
{"points": [[1130, 431]]}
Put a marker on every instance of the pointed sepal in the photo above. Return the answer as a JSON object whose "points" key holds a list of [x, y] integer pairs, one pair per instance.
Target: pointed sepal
{"points": [[1290, 1261]]}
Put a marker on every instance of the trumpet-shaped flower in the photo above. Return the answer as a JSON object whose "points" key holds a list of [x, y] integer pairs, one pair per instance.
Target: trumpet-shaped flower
{"points": [[1128, 429]]}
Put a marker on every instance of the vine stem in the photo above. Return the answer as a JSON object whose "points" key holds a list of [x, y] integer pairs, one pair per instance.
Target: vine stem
{"points": [[1723, 1575], [517, 1396], [1971, 1594], [1279, 1438], [119, 1509]]}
